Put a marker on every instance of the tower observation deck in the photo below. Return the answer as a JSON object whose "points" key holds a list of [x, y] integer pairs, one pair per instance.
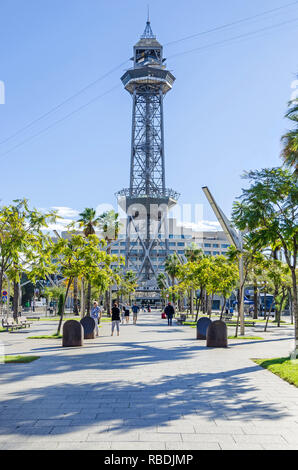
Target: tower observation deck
{"points": [[147, 200]]}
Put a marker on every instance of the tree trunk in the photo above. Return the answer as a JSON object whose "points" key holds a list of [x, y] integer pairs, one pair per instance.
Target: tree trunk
{"points": [[88, 299], [295, 308], [1, 284], [82, 298], [255, 315], [223, 307], [75, 296], [291, 305], [240, 315], [209, 308], [64, 303], [204, 302], [269, 313], [107, 301], [191, 301], [280, 308], [15, 300]]}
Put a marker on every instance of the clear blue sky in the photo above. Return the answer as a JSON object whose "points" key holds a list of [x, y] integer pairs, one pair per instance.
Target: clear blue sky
{"points": [[224, 114]]}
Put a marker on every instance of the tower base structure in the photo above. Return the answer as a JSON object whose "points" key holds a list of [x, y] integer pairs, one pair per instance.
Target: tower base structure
{"points": [[147, 236]]}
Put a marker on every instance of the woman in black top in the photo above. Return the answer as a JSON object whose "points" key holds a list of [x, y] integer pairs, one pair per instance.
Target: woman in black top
{"points": [[115, 318]]}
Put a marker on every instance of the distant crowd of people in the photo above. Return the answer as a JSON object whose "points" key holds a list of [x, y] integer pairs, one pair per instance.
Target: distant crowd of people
{"points": [[121, 314]]}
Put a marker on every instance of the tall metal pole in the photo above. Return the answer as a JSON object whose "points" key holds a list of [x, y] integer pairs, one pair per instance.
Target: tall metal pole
{"points": [[241, 296]]}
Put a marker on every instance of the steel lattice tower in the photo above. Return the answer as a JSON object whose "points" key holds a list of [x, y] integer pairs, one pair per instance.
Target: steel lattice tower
{"points": [[147, 200]]}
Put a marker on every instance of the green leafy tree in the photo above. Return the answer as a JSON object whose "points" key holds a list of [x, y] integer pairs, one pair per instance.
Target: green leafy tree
{"points": [[109, 225], [78, 256], [224, 279], [128, 285], [268, 210], [290, 139], [250, 259], [277, 274], [88, 222], [162, 285], [54, 293], [193, 254], [172, 268], [24, 245]]}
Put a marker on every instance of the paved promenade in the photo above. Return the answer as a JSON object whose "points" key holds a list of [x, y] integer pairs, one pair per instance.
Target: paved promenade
{"points": [[153, 387]]}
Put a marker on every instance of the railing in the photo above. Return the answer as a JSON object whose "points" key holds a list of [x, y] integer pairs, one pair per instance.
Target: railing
{"points": [[138, 193]]}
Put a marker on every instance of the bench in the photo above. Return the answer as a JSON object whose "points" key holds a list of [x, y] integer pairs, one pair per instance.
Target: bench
{"points": [[234, 323], [10, 324], [181, 319], [227, 317], [24, 322]]}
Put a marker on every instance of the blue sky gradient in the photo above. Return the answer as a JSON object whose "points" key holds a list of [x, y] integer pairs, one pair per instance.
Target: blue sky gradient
{"points": [[223, 116]]}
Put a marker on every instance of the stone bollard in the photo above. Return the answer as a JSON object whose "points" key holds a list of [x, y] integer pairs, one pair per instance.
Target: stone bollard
{"points": [[88, 324], [217, 335], [73, 334], [202, 327]]}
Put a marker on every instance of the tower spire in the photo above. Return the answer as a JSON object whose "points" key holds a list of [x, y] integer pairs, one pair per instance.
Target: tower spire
{"points": [[148, 33]]}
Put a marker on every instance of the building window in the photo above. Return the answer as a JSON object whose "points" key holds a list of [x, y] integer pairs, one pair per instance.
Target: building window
{"points": [[207, 245]]}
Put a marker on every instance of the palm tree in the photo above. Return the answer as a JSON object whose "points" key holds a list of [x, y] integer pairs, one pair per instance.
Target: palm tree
{"points": [[172, 268], [290, 139], [108, 223], [162, 284], [130, 281], [193, 254], [88, 221]]}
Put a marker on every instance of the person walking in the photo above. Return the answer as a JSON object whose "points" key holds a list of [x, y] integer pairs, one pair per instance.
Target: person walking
{"points": [[95, 313], [115, 318], [126, 314], [123, 314], [135, 310], [170, 312]]}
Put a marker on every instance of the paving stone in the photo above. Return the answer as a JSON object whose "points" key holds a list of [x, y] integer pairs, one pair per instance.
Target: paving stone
{"points": [[259, 439], [152, 436], [220, 438], [137, 445], [191, 445], [84, 445], [242, 446], [113, 436]]}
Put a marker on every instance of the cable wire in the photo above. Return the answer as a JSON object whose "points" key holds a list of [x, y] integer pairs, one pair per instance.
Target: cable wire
{"points": [[233, 23], [67, 100], [2, 155]]}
